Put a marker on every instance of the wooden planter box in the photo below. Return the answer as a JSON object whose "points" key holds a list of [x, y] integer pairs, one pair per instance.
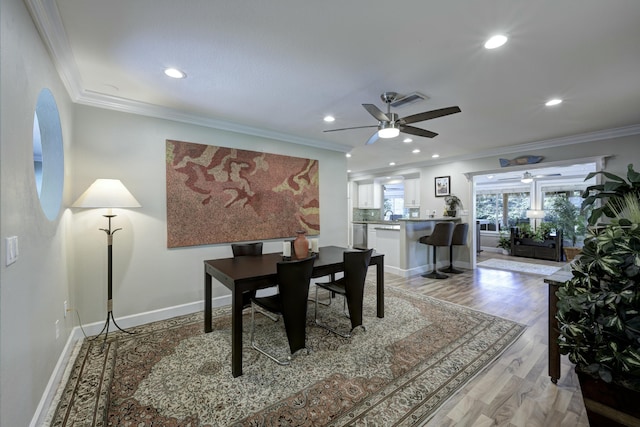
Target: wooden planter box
{"points": [[550, 249], [609, 404]]}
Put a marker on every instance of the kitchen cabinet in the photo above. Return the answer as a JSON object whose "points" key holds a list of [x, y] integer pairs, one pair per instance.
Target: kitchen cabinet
{"points": [[411, 193], [369, 196]]}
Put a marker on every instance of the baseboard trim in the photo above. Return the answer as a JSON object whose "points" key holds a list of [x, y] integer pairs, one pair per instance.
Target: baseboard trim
{"points": [[45, 411], [422, 268]]}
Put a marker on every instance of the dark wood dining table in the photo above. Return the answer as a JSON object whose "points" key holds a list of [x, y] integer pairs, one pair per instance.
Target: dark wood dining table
{"points": [[244, 274]]}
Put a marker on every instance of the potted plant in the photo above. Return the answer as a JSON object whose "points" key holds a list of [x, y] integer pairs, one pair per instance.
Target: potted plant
{"points": [[452, 204], [573, 223], [504, 243], [599, 316], [609, 193]]}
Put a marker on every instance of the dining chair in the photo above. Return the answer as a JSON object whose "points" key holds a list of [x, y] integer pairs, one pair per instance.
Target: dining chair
{"points": [[350, 286], [291, 303], [249, 249]]}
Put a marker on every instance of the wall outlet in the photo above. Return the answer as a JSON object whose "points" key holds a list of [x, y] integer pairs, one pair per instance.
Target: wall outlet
{"points": [[57, 329], [66, 308]]}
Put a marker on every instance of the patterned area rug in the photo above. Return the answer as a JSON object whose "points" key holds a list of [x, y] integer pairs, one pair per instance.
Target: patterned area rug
{"points": [[523, 267], [397, 373]]}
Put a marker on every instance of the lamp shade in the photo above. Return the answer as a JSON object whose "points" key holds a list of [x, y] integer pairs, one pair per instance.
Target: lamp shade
{"points": [[533, 213], [106, 193]]}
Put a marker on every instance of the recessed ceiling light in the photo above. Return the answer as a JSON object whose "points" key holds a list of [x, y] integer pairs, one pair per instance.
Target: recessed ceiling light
{"points": [[495, 41], [435, 156], [175, 73], [407, 140], [329, 119], [348, 170], [416, 151], [348, 155], [392, 163], [553, 102]]}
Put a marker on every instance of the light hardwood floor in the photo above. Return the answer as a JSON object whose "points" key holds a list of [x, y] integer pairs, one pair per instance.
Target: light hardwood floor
{"points": [[516, 389]]}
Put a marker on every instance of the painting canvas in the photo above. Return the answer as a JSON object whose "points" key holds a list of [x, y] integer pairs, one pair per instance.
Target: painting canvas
{"points": [[221, 195], [442, 186]]}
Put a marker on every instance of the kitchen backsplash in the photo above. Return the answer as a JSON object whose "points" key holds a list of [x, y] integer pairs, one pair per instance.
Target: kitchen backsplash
{"points": [[366, 214], [376, 214]]}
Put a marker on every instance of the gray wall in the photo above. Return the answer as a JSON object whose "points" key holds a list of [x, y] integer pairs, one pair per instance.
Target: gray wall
{"points": [[147, 275], [33, 289], [65, 259]]}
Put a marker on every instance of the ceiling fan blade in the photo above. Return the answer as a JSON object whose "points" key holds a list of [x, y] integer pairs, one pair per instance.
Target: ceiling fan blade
{"points": [[428, 115], [376, 112], [356, 127], [417, 131], [373, 139]]}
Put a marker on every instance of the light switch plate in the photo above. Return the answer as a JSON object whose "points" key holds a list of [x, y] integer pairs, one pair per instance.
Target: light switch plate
{"points": [[11, 249]]}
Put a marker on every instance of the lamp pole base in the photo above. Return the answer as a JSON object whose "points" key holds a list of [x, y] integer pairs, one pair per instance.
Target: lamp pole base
{"points": [[105, 329]]}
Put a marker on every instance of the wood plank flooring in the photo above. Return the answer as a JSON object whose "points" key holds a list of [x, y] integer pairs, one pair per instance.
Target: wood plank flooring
{"points": [[516, 389]]}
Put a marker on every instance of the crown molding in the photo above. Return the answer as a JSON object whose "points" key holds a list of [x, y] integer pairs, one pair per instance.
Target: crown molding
{"points": [[109, 102], [48, 22], [498, 151]]}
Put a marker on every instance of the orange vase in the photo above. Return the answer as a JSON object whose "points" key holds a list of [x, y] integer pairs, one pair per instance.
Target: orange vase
{"points": [[301, 245]]}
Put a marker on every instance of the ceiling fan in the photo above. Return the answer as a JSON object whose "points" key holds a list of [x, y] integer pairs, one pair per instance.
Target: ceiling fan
{"points": [[527, 177], [390, 126]]}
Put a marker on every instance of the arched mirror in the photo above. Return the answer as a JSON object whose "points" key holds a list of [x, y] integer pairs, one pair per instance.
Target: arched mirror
{"points": [[48, 154]]}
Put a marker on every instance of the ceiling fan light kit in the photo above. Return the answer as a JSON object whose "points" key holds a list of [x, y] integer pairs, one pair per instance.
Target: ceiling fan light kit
{"points": [[388, 130], [390, 126]]}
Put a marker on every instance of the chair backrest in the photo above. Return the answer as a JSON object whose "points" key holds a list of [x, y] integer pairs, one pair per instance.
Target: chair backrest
{"points": [[442, 234], [293, 285], [356, 264], [246, 249], [460, 234]]}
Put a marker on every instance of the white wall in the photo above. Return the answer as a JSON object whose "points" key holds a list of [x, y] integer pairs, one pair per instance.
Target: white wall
{"points": [[622, 151], [147, 275], [33, 289]]}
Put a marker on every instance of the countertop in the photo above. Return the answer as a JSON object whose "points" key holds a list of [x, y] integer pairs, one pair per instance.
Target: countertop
{"points": [[397, 222]]}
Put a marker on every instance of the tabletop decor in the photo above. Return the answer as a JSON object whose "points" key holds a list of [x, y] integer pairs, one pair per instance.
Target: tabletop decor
{"points": [[301, 245], [220, 195]]}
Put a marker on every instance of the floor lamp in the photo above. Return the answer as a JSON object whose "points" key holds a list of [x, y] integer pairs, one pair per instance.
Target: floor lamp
{"points": [[107, 193], [535, 214]]}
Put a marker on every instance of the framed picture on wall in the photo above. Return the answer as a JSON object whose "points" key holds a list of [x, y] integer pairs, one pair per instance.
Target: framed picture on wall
{"points": [[443, 186]]}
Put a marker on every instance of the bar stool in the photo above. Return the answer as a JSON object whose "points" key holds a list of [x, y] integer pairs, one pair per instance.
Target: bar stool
{"points": [[441, 236], [459, 238]]}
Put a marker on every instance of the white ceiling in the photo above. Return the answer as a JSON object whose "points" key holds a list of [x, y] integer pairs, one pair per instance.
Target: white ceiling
{"points": [[277, 67]]}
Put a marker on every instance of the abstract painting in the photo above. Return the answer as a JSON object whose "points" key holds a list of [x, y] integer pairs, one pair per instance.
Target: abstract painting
{"points": [[221, 195]]}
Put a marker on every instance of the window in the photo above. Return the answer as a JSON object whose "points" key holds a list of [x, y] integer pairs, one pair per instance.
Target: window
{"points": [[502, 209]]}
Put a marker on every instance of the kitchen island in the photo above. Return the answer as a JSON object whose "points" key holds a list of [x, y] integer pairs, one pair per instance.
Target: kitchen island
{"points": [[398, 240]]}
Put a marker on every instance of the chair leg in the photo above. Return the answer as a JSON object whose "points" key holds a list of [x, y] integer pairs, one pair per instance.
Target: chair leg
{"points": [[331, 295], [434, 274], [451, 269], [282, 362], [315, 318]]}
